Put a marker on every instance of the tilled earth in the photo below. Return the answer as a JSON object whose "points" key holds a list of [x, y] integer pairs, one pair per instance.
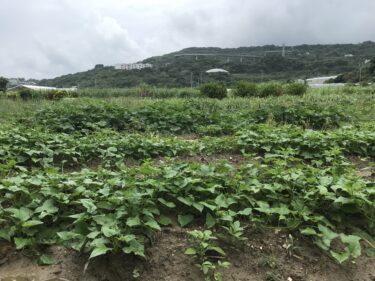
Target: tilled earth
{"points": [[268, 254]]}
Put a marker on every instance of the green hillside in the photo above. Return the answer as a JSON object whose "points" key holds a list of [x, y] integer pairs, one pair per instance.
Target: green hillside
{"points": [[188, 66]]}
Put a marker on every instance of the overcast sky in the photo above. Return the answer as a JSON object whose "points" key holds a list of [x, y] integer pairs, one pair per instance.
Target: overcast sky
{"points": [[46, 38]]}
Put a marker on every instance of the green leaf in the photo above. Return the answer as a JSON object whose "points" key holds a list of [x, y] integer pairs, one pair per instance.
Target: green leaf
{"points": [[167, 204], [264, 207], [308, 231], [31, 223], [107, 220], [217, 250], [210, 220], [221, 201], [190, 251], [340, 258], [5, 234], [23, 214], [353, 245], [198, 206], [245, 212], [135, 247], [109, 232], [99, 250], [186, 200], [89, 205], [163, 220], [46, 260], [327, 235], [93, 234], [46, 209], [67, 235], [184, 220], [153, 224], [134, 221], [22, 242]]}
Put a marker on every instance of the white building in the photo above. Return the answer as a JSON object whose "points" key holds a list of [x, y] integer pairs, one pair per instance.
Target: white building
{"points": [[132, 66], [217, 70]]}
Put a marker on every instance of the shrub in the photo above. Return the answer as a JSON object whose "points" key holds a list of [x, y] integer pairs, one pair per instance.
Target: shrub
{"points": [[295, 89], [271, 89], [60, 94], [73, 94], [214, 90], [145, 90], [25, 94], [312, 116], [245, 89], [12, 95], [56, 94]]}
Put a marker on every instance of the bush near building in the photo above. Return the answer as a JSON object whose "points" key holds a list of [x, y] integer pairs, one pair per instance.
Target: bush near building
{"points": [[214, 90], [295, 89], [245, 89]]}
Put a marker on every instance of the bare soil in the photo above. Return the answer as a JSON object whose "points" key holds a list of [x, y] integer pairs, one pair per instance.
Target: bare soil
{"points": [[365, 167], [263, 257]]}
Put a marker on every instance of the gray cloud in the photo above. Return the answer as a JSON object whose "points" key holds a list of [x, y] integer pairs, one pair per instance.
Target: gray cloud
{"points": [[45, 38]]}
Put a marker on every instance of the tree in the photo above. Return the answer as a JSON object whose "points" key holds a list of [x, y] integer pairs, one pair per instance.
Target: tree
{"points": [[3, 84]]}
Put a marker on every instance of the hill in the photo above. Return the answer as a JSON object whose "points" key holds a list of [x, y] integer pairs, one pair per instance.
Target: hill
{"points": [[187, 67]]}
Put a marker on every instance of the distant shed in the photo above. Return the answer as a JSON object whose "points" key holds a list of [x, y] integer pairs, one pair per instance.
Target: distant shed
{"points": [[40, 88]]}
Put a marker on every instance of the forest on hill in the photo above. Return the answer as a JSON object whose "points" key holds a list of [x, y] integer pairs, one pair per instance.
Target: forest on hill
{"points": [[188, 67]]}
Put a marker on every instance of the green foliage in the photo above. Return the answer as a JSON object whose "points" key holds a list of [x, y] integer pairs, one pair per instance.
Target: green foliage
{"points": [[194, 116], [204, 247], [301, 114], [56, 94], [3, 84], [25, 94], [103, 211], [172, 71], [295, 89], [271, 89], [12, 95], [289, 176], [245, 89], [214, 90]]}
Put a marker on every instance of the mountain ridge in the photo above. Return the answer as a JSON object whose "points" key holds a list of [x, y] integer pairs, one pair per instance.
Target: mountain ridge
{"points": [[187, 67]]}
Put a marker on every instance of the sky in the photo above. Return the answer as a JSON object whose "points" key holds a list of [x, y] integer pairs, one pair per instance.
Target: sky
{"points": [[48, 38]]}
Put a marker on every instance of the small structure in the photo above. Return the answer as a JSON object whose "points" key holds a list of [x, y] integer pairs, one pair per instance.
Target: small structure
{"points": [[133, 66], [217, 70], [349, 55], [320, 82], [40, 88]]}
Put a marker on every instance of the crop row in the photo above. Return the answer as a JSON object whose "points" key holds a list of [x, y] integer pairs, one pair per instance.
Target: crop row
{"points": [[104, 211], [37, 148], [192, 116]]}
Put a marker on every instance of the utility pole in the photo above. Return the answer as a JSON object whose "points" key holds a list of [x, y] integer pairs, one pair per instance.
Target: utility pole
{"points": [[283, 52], [360, 72], [191, 79]]}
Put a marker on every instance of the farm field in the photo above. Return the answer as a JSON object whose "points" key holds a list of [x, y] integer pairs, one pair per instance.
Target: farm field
{"points": [[177, 188]]}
